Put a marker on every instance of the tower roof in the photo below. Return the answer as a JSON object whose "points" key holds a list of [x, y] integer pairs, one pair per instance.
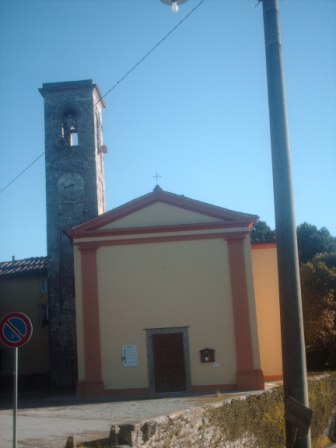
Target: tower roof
{"points": [[70, 85]]}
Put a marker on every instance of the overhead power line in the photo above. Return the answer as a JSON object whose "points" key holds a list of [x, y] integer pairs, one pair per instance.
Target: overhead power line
{"points": [[152, 50], [120, 80], [22, 172]]}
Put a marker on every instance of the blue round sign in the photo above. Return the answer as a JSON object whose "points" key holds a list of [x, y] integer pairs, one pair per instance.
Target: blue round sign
{"points": [[15, 329]]}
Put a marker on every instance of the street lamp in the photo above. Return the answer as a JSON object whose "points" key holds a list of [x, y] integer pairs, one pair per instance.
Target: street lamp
{"points": [[293, 350], [174, 4]]}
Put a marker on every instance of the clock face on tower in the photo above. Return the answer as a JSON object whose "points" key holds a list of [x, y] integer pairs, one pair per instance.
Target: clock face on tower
{"points": [[70, 188]]}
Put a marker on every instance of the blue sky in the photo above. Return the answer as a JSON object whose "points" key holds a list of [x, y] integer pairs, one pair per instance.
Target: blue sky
{"points": [[195, 111]]}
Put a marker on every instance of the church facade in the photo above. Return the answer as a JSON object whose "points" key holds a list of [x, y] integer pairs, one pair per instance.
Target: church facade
{"points": [[171, 296], [162, 294]]}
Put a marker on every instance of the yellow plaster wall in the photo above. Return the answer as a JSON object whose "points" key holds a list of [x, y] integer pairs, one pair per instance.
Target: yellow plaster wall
{"points": [[23, 295], [265, 275], [166, 285]]}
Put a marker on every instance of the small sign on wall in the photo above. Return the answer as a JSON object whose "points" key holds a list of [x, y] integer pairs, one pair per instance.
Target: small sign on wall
{"points": [[207, 355], [129, 355]]}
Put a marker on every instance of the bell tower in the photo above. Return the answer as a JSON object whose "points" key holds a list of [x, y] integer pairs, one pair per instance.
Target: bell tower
{"points": [[75, 193]]}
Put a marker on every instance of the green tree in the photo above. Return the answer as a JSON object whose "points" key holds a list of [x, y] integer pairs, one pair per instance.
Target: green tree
{"points": [[318, 284], [328, 259], [313, 241], [262, 233]]}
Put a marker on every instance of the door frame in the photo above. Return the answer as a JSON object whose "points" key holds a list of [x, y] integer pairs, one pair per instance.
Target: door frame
{"points": [[150, 332]]}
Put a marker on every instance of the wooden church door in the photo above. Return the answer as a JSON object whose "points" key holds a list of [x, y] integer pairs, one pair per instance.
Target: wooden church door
{"points": [[168, 359], [169, 364]]}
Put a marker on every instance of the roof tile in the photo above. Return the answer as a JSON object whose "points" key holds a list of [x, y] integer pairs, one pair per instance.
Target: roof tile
{"points": [[27, 266]]}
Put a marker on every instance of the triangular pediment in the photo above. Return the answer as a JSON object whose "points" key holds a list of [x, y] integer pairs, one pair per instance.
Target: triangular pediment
{"points": [[161, 209], [159, 214]]}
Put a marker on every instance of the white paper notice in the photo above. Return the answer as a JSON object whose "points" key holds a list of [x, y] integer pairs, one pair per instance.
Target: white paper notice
{"points": [[129, 356]]}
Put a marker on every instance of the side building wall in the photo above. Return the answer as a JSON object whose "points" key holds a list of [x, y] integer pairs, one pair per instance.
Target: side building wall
{"points": [[27, 295], [266, 287]]}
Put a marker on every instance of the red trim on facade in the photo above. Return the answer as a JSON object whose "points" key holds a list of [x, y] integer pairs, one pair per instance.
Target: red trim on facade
{"points": [[86, 245], [256, 246], [76, 233], [252, 379], [248, 378], [90, 389], [170, 199], [271, 378], [92, 353]]}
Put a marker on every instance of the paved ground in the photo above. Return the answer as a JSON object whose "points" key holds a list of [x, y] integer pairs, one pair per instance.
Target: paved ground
{"points": [[48, 421]]}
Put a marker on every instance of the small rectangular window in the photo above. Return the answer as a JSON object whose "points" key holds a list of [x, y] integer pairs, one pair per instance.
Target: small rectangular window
{"points": [[74, 139], [43, 314], [43, 286]]}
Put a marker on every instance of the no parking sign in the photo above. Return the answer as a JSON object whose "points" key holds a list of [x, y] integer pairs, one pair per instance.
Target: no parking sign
{"points": [[15, 329]]}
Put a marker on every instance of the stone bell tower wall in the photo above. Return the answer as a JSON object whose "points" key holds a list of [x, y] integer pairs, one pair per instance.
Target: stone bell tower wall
{"points": [[75, 193]]}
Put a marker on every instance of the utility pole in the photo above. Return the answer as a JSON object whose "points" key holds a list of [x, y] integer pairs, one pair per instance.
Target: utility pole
{"points": [[293, 348], [297, 413]]}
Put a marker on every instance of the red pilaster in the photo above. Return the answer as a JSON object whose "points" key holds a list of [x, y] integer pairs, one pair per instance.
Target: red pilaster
{"points": [[93, 384], [248, 378]]}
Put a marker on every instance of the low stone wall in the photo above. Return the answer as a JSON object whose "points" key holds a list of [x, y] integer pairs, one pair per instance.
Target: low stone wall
{"points": [[184, 429], [190, 428], [252, 421]]}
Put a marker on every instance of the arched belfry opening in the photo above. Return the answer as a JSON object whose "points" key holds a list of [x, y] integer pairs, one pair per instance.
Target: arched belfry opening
{"points": [[69, 130], [75, 193]]}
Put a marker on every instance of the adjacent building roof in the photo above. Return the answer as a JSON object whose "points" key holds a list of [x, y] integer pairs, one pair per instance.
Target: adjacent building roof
{"points": [[28, 266]]}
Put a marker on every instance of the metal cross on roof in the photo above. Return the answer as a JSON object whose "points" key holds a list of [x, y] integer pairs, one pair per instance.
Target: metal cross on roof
{"points": [[157, 178]]}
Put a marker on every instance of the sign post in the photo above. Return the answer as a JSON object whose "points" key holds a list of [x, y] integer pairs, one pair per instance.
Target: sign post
{"points": [[15, 331], [15, 394]]}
